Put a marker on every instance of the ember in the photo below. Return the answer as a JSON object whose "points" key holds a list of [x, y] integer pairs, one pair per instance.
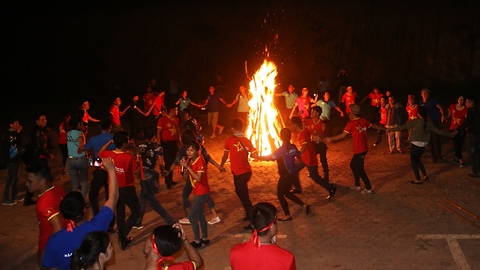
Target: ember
{"points": [[264, 122]]}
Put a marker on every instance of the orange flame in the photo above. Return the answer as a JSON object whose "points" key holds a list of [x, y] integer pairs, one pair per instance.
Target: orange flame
{"points": [[264, 122]]}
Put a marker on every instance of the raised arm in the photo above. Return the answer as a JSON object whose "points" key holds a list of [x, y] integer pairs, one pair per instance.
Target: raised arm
{"points": [[107, 165]]}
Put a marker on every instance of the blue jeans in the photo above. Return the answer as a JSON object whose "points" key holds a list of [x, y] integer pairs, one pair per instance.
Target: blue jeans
{"points": [[78, 170], [147, 194], [196, 216], [187, 189], [12, 179]]}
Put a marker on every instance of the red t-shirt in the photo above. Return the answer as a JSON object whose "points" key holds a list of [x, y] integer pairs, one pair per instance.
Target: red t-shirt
{"points": [[312, 127], [199, 187], [169, 128], [358, 129], [309, 157], [48, 206], [304, 105], [458, 116], [149, 100], [158, 102], [115, 111], [86, 116], [266, 257], [239, 154], [349, 99], [125, 166], [62, 134], [375, 99], [383, 115], [180, 266], [412, 111]]}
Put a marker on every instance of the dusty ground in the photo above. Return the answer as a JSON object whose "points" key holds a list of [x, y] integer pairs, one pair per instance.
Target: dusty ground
{"points": [[400, 226]]}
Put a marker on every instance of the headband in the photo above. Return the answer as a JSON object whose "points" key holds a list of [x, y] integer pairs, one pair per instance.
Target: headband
{"points": [[161, 258], [254, 239]]}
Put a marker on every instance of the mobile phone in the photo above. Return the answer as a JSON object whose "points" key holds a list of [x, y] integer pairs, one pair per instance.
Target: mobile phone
{"points": [[97, 162]]}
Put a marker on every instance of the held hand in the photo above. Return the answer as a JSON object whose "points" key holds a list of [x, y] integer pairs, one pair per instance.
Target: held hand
{"points": [[341, 114], [327, 140], [221, 169]]}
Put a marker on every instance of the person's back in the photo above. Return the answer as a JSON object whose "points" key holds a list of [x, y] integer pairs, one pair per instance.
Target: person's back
{"points": [[261, 252]]}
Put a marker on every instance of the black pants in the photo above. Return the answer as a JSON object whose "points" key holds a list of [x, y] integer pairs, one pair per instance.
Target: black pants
{"points": [[283, 190], [458, 144], [357, 164], [416, 153], [170, 149], [99, 180], [64, 151], [436, 146], [321, 150], [241, 189], [473, 147], [128, 196]]}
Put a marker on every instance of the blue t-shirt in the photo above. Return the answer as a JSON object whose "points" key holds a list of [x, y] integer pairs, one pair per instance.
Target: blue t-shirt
{"points": [[96, 143], [213, 102], [285, 157], [431, 106], [326, 108], [183, 103], [72, 143], [62, 244]]}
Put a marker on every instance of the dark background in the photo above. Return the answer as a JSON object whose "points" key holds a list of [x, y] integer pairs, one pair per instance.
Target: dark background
{"points": [[58, 54]]}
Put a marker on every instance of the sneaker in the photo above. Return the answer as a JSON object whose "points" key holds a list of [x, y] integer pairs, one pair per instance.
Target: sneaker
{"points": [[8, 202], [456, 161], [356, 188], [400, 151], [367, 191], [214, 220], [184, 221], [220, 129], [18, 199], [196, 245], [205, 242], [461, 165], [138, 226]]}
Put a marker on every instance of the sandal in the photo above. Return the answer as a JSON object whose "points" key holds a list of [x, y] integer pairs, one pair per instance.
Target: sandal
{"points": [[416, 182], [284, 218]]}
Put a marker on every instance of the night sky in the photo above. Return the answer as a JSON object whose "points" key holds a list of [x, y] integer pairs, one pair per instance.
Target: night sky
{"points": [[58, 54]]}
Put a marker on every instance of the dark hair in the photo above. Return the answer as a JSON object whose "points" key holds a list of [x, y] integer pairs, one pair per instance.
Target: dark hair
{"points": [[188, 136], [40, 115], [392, 96], [285, 134], [318, 109], [194, 144], [13, 120], [262, 214], [297, 121], [40, 169], [423, 112], [72, 206], [105, 123], [237, 124], [148, 132], [326, 92], [167, 240], [73, 123], [187, 111], [87, 254], [120, 138]]}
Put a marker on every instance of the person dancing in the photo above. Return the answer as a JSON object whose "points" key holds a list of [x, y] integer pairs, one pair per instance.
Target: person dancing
{"points": [[420, 137]]}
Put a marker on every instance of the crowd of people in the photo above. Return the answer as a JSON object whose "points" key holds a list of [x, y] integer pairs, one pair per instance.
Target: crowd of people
{"points": [[163, 135]]}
